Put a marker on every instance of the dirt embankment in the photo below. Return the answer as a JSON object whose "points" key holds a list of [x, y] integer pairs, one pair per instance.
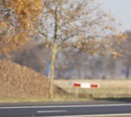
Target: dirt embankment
{"points": [[20, 81]]}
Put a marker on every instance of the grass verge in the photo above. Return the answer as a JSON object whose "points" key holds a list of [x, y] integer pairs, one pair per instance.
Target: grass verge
{"points": [[109, 90]]}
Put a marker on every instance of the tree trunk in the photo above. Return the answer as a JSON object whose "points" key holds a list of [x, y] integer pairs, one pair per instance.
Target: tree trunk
{"points": [[54, 50], [51, 77], [127, 72]]}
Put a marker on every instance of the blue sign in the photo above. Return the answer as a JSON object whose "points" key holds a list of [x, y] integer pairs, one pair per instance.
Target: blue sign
{"points": [[48, 69]]}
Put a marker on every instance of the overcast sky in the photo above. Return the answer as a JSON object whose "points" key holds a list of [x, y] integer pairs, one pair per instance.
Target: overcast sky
{"points": [[119, 8]]}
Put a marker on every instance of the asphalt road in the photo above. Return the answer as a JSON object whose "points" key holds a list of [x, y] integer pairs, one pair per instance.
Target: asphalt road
{"points": [[68, 109]]}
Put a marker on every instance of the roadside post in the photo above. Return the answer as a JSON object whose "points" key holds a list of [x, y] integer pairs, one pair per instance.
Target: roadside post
{"points": [[70, 84], [93, 93], [48, 70], [77, 92]]}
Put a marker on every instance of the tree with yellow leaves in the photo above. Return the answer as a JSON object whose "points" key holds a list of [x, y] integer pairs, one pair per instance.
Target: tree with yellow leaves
{"points": [[79, 24], [16, 22]]}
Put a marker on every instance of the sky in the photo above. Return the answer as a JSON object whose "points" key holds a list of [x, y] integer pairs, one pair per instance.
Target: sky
{"points": [[121, 9]]}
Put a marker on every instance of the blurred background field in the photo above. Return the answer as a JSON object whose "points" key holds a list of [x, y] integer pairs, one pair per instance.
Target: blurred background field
{"points": [[108, 88], [36, 55]]}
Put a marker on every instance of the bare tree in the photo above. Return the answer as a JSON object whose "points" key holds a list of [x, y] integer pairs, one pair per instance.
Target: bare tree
{"points": [[126, 59], [77, 24]]}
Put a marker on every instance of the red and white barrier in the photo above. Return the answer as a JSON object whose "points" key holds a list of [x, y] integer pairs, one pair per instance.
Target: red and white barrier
{"points": [[84, 85]]}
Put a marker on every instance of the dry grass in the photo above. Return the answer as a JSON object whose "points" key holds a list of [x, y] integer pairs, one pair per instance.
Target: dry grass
{"points": [[108, 88]]}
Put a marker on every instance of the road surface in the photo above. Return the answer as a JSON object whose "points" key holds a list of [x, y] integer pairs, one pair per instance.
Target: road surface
{"points": [[68, 109]]}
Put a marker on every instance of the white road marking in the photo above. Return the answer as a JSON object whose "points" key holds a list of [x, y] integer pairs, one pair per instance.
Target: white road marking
{"points": [[63, 106], [52, 111], [98, 115]]}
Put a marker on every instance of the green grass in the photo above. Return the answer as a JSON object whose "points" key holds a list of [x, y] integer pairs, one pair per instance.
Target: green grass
{"points": [[42, 99], [3, 100]]}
